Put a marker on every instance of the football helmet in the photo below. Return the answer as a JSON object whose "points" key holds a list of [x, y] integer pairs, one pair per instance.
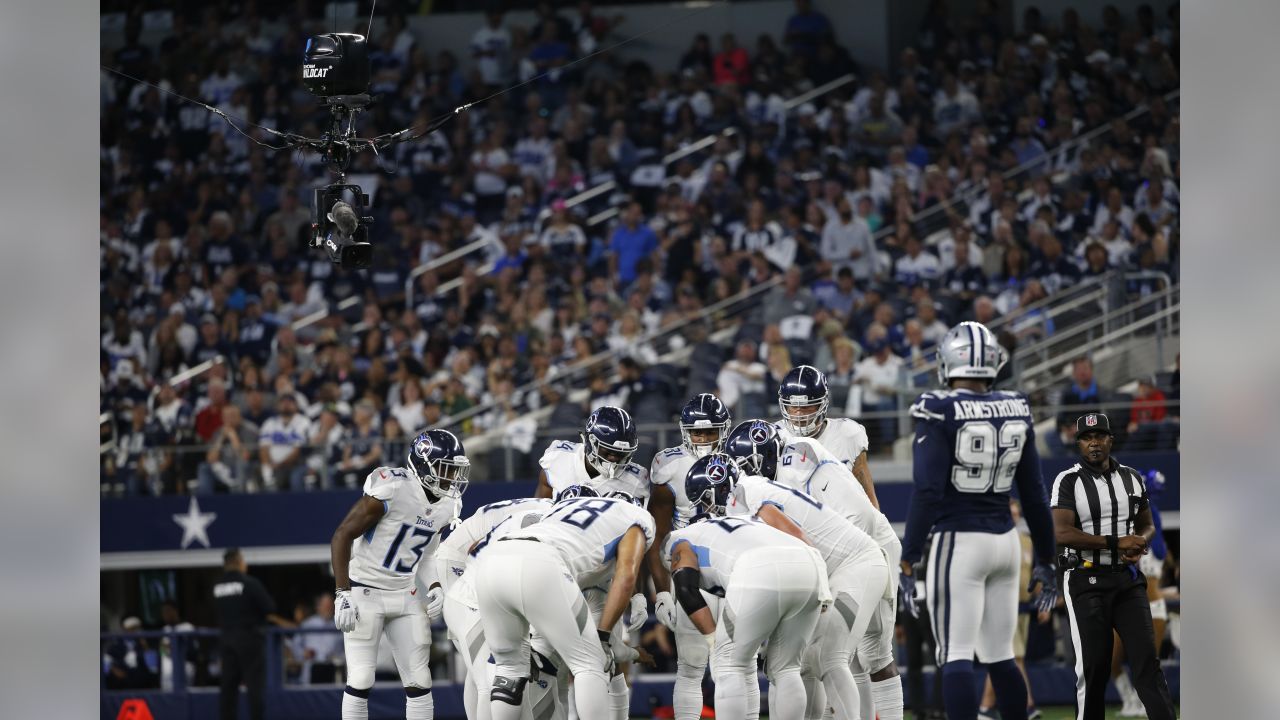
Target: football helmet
{"points": [[704, 411], [970, 350], [710, 482], [754, 446], [804, 387], [438, 460], [611, 440]]}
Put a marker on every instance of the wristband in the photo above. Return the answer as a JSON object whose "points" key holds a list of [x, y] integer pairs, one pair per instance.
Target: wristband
{"points": [[604, 635], [1113, 545]]}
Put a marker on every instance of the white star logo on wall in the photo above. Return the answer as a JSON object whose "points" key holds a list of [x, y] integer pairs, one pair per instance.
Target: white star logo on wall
{"points": [[195, 524]]}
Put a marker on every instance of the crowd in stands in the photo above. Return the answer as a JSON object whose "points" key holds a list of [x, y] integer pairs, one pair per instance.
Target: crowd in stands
{"points": [[950, 187]]}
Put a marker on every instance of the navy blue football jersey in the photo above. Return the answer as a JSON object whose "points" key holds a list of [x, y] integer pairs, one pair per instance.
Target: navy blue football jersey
{"points": [[970, 450]]}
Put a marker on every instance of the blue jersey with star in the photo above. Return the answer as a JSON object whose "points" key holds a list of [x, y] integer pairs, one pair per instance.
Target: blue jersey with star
{"points": [[971, 449]]}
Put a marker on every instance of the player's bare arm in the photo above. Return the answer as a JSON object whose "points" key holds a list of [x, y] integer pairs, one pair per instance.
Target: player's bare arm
{"points": [[544, 487], [662, 505], [1067, 534], [775, 518], [362, 516], [688, 581], [631, 550], [862, 471]]}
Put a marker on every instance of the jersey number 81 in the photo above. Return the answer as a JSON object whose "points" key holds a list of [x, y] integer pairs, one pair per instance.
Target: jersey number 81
{"points": [[987, 459]]}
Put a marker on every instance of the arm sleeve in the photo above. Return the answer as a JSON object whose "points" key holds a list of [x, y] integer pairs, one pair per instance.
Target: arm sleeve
{"points": [[931, 457], [1035, 506]]}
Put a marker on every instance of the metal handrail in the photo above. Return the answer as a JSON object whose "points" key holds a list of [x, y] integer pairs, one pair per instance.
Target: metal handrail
{"points": [[1152, 319], [441, 261], [1103, 319]]}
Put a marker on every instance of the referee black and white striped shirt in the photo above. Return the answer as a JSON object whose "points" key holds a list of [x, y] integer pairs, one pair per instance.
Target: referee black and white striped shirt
{"points": [[1104, 503]]}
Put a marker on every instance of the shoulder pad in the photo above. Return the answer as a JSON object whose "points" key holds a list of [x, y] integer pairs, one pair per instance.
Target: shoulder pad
{"points": [[637, 470], [382, 482], [556, 448], [931, 406]]}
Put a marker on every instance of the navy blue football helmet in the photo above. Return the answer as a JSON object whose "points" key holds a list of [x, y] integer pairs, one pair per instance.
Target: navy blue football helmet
{"points": [[704, 412], [710, 482], [755, 446], [804, 388], [611, 440], [576, 491], [625, 496], [438, 460]]}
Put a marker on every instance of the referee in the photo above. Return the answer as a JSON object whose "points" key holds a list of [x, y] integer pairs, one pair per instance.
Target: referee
{"points": [[1103, 523], [243, 607]]}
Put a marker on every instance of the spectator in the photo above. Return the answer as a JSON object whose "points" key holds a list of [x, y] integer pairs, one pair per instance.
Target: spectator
{"points": [[839, 297], [172, 622], [931, 328], [731, 64], [362, 451], [209, 411], [878, 376], [321, 649], [698, 57], [841, 373], [131, 663], [408, 407], [847, 243], [965, 279], [280, 445], [742, 378], [1114, 209], [1149, 404], [491, 46], [1081, 396], [805, 29], [228, 461], [917, 266], [1054, 271], [631, 242], [790, 300]]}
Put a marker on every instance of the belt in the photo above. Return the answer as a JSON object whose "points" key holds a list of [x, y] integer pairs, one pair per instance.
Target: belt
{"points": [[355, 583], [527, 539], [1089, 567]]}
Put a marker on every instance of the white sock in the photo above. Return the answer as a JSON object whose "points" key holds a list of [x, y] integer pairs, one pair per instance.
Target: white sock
{"points": [[686, 698], [842, 694], [354, 708], [422, 707], [1128, 696], [867, 705], [619, 697], [887, 697]]}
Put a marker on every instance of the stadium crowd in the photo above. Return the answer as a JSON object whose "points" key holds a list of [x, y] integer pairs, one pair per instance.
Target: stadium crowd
{"points": [[888, 207]]}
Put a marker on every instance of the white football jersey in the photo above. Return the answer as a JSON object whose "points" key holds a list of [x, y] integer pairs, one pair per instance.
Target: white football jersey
{"points": [[719, 542], [388, 555], [565, 464], [806, 466], [826, 529], [670, 468], [517, 513], [844, 438], [586, 533]]}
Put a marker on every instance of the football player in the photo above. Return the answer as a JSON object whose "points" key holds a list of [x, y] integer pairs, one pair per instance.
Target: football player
{"points": [[535, 577], [704, 423], [461, 613], [376, 554], [972, 444], [803, 400], [803, 464], [774, 587], [856, 571]]}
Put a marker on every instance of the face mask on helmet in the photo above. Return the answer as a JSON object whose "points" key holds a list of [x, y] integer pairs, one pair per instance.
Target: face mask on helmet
{"points": [[441, 476], [704, 438], [608, 460], [754, 448], [575, 491], [803, 417], [970, 351], [709, 484], [625, 496]]}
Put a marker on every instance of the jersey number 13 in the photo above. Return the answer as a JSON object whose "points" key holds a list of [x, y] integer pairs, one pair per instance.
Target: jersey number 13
{"points": [[986, 459]]}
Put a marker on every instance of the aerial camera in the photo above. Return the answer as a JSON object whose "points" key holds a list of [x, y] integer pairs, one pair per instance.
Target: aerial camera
{"points": [[335, 68]]}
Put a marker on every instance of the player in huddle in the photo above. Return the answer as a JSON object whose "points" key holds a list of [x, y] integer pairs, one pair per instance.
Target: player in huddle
{"points": [[377, 552], [972, 445], [803, 400], [704, 424]]}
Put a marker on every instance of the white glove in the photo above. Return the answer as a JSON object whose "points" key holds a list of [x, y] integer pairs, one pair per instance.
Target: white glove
{"points": [[639, 614], [345, 612], [664, 606], [610, 668], [435, 603], [710, 639]]}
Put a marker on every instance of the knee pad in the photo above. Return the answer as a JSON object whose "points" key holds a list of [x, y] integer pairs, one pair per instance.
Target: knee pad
{"points": [[693, 651], [359, 678], [782, 675], [414, 692], [357, 692], [508, 690], [1159, 610], [690, 670]]}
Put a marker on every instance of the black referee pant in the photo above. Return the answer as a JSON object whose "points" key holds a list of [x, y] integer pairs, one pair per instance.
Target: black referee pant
{"points": [[243, 661], [1099, 600]]}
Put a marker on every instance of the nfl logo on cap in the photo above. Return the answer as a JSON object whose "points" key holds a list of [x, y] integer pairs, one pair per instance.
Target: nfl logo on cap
{"points": [[1091, 420]]}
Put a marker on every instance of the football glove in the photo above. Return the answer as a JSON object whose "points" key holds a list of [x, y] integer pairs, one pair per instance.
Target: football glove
{"points": [[345, 612], [1046, 576], [435, 603], [639, 614], [609, 665], [664, 606], [907, 594]]}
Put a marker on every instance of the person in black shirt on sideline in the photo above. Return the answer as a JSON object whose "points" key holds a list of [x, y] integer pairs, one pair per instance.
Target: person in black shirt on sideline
{"points": [[1102, 519], [243, 607]]}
